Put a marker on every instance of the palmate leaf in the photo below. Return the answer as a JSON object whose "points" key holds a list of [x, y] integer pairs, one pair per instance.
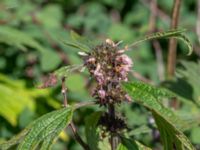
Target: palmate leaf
{"points": [[168, 123], [129, 144], [177, 33], [43, 130]]}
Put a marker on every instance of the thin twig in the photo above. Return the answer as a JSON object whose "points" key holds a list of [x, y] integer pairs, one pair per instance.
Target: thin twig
{"points": [[173, 42], [71, 125], [156, 44], [77, 137]]}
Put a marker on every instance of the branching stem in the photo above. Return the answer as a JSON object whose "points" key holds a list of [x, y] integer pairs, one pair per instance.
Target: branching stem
{"points": [[71, 125]]}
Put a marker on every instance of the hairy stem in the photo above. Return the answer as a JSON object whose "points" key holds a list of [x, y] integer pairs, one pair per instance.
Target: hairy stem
{"points": [[71, 125], [173, 42]]}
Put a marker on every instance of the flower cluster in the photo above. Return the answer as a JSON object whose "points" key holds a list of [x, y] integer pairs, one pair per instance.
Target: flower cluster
{"points": [[109, 66]]}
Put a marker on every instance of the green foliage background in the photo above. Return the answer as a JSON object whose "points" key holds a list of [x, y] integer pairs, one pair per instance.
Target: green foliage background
{"points": [[33, 34]]}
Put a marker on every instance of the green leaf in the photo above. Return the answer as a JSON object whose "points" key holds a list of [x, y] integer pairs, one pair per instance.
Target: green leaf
{"points": [[45, 128], [168, 34], [190, 73], [129, 144], [166, 120], [49, 60], [91, 130], [15, 97], [170, 135], [79, 42], [14, 37]]}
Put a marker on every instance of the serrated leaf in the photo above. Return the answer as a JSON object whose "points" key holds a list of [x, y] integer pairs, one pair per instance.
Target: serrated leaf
{"points": [[129, 144], [47, 126], [167, 34], [146, 95], [170, 135], [91, 132]]}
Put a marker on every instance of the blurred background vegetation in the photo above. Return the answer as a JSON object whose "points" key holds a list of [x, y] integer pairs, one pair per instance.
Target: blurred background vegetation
{"points": [[32, 37]]}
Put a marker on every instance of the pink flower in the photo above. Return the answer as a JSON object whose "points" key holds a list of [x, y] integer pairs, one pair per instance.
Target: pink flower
{"points": [[102, 94], [124, 59]]}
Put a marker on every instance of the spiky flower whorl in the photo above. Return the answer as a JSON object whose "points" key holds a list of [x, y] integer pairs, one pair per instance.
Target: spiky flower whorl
{"points": [[109, 66]]}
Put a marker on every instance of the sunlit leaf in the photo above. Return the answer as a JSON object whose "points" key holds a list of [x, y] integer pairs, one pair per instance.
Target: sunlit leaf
{"points": [[45, 128]]}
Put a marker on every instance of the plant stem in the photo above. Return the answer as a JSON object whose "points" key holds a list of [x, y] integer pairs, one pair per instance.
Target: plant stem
{"points": [[114, 138], [173, 42], [71, 125], [77, 137], [156, 44]]}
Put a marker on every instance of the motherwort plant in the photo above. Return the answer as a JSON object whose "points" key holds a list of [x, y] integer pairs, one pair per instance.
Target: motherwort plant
{"points": [[109, 65]]}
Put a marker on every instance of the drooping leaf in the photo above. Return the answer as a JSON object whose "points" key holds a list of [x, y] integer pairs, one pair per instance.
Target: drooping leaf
{"points": [[170, 135], [166, 120], [129, 144], [45, 128], [177, 33]]}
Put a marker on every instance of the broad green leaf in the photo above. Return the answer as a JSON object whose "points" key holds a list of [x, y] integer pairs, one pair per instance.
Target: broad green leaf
{"points": [[129, 144], [45, 128], [170, 135], [166, 120], [91, 131], [177, 33]]}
